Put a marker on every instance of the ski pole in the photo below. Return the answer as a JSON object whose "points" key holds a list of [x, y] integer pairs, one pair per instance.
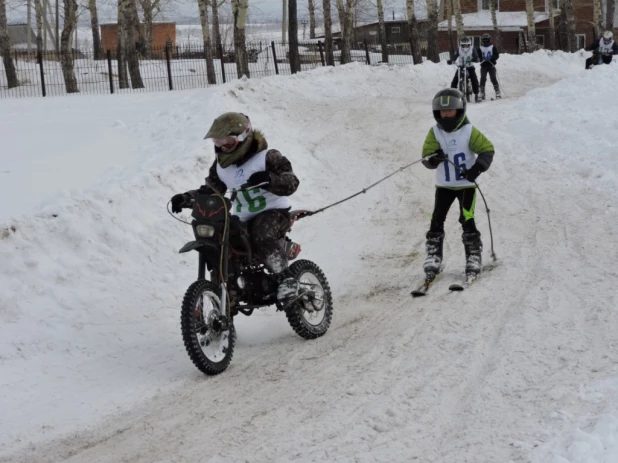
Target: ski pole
{"points": [[491, 235]]}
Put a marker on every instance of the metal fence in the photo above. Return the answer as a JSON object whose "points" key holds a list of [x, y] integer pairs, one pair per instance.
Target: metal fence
{"points": [[174, 68]]}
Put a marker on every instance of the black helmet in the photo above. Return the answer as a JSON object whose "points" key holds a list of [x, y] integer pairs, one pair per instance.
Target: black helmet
{"points": [[449, 98], [485, 39]]}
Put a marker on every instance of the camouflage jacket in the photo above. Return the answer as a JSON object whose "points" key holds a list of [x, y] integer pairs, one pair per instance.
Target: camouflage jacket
{"points": [[283, 181]]}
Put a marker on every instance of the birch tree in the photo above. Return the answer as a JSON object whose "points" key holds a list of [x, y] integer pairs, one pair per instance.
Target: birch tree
{"points": [[239, 10], [552, 26], [66, 51], [328, 33], [382, 28], [311, 19], [346, 36], [414, 34], [458, 20], [208, 55], [611, 12], [94, 26], [597, 12], [6, 48], [494, 22], [531, 26], [432, 31]]}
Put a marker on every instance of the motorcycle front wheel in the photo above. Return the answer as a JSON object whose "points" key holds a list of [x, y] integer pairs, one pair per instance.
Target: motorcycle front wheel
{"points": [[209, 343]]}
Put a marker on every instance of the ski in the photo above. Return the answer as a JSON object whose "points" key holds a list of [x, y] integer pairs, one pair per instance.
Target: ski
{"points": [[424, 287], [471, 278]]}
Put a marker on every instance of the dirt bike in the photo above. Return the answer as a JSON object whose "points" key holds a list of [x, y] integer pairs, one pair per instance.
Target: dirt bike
{"points": [[465, 85], [239, 283]]}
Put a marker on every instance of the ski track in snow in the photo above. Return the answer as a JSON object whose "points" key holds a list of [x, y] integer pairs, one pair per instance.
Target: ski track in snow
{"points": [[504, 372]]}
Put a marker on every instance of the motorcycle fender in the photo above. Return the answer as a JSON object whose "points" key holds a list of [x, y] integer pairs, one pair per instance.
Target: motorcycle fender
{"points": [[191, 245]]}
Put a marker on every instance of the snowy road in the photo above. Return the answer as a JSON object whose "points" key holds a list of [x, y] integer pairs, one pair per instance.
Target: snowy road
{"points": [[503, 372]]}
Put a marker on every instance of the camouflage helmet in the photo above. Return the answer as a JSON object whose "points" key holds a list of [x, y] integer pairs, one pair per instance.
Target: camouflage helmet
{"points": [[231, 125], [446, 99]]}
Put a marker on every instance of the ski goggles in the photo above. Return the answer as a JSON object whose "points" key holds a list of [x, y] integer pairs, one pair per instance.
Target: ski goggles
{"points": [[465, 46], [607, 41], [233, 139]]}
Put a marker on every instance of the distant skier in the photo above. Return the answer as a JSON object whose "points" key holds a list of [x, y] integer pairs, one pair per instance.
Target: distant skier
{"points": [[454, 141], [489, 55], [464, 58], [602, 50]]}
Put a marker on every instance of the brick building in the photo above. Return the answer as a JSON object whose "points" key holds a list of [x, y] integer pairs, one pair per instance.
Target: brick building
{"points": [[161, 32], [513, 23]]}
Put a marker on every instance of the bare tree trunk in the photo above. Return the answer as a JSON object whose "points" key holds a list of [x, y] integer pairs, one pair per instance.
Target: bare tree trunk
{"points": [[132, 24], [239, 10], [531, 26], [94, 25], [494, 22], [458, 20], [5, 49], [29, 21], [137, 27], [66, 52], [38, 9], [328, 33], [597, 9], [552, 26], [148, 9], [346, 37], [449, 14], [415, 38], [382, 28], [341, 15], [121, 52], [215, 22], [293, 37], [569, 18], [210, 65], [611, 11], [311, 19], [432, 31]]}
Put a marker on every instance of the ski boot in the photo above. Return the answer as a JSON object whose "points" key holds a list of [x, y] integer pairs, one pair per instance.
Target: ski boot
{"points": [[498, 94], [474, 250], [482, 94], [476, 98], [433, 262]]}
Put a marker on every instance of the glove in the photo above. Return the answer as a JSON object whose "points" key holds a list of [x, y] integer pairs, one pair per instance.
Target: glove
{"points": [[439, 158], [472, 174], [258, 178], [177, 202]]}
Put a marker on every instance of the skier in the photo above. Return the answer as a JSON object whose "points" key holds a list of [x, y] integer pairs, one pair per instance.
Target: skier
{"points": [[462, 153], [464, 58], [489, 55], [603, 50], [244, 160]]}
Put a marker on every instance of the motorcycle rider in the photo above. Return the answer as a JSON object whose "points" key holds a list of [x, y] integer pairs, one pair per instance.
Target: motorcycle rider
{"points": [[602, 50], [464, 58], [243, 159]]}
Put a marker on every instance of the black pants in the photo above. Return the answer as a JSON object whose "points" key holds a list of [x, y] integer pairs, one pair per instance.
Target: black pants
{"points": [[594, 59], [492, 75], [265, 231], [444, 200], [473, 79]]}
